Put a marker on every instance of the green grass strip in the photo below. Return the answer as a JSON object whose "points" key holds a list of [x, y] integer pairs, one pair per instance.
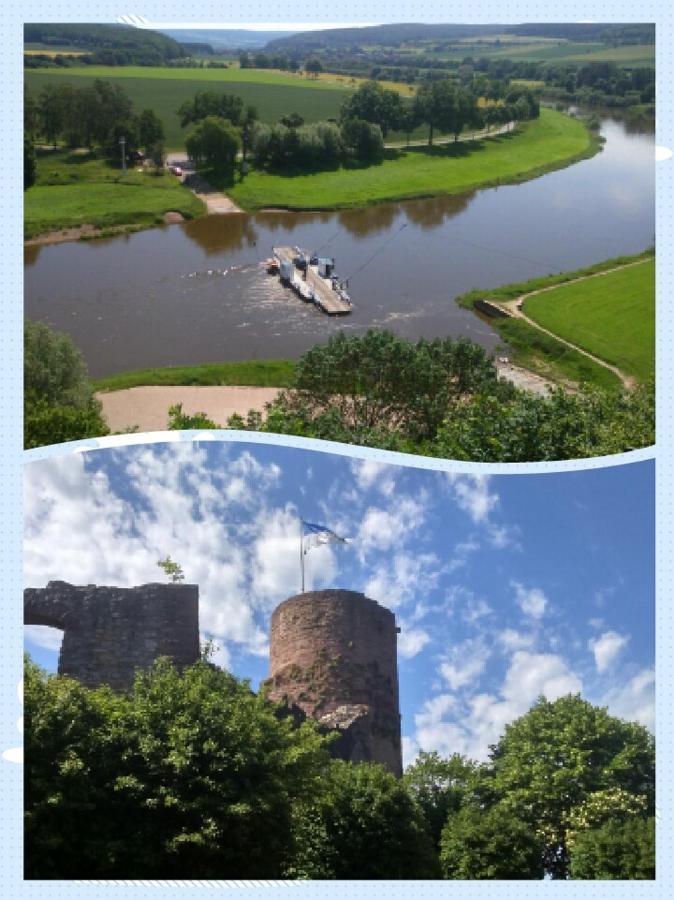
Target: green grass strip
{"points": [[255, 373]]}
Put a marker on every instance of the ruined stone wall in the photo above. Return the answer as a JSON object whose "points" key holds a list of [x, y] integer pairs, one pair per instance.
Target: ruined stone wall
{"points": [[334, 655], [109, 632]]}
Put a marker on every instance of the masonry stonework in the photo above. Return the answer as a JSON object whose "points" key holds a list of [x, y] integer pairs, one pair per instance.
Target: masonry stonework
{"points": [[334, 656], [110, 632]]}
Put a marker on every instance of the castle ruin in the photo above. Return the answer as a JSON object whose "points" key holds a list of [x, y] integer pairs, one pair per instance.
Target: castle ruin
{"points": [[334, 656], [333, 652], [109, 632]]}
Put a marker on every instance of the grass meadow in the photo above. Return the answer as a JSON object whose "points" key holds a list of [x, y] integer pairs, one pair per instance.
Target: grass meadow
{"points": [[537, 146], [75, 189], [611, 316]]}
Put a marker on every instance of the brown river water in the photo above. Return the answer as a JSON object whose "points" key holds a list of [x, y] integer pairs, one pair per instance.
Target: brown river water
{"points": [[197, 292]]}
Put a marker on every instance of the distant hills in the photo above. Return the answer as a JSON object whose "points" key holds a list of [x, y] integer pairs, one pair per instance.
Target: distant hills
{"points": [[398, 33], [225, 38]]}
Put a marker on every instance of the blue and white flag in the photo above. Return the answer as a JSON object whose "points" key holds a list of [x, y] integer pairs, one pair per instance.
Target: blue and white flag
{"points": [[318, 535]]}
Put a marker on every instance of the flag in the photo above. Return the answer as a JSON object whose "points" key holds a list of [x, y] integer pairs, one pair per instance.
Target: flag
{"points": [[318, 535]]}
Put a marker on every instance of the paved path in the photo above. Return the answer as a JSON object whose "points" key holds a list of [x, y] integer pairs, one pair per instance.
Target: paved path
{"points": [[147, 407], [216, 202], [514, 308]]}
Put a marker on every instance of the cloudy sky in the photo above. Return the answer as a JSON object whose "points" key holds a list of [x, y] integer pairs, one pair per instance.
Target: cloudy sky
{"points": [[505, 588]]}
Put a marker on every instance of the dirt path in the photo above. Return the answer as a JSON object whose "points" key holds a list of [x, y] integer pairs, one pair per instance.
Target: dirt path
{"points": [[217, 203], [147, 407], [514, 308], [473, 136]]}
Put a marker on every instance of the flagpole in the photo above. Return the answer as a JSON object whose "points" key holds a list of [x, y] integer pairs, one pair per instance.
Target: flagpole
{"points": [[301, 552]]}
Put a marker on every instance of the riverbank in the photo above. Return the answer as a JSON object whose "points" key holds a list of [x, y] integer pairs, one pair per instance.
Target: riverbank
{"points": [[594, 325], [550, 142], [78, 195]]}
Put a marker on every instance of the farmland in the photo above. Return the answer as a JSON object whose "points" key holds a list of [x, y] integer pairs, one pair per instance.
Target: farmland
{"points": [[611, 316], [542, 144], [164, 89]]}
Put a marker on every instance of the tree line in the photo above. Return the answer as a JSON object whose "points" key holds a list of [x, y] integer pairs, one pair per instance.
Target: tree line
{"points": [[94, 116], [193, 775]]}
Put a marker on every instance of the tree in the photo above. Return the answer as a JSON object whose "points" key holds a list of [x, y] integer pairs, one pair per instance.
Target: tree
{"points": [[210, 103], [173, 570], [377, 381], [489, 844], [615, 850], [440, 787], [190, 775], [292, 120], [150, 129], [364, 140], [436, 104], [372, 103], [59, 402], [551, 761], [313, 66], [363, 823], [29, 162], [215, 143]]}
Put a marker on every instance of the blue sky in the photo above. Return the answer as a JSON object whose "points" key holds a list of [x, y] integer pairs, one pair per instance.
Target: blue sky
{"points": [[505, 587]]}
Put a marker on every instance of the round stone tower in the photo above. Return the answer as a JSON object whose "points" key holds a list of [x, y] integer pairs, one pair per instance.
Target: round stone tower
{"points": [[334, 655]]}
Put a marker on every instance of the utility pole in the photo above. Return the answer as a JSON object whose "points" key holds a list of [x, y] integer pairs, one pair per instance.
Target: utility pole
{"points": [[122, 142]]}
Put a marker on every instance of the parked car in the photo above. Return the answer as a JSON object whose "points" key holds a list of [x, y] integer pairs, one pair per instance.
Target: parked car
{"points": [[175, 170]]}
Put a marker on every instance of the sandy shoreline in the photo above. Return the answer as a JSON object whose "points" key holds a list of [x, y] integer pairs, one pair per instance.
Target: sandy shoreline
{"points": [[147, 407]]}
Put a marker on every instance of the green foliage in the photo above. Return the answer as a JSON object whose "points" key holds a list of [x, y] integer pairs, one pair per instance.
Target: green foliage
{"points": [[214, 142], [209, 103], [150, 129], [29, 162], [617, 850], [363, 139], [551, 760], [489, 844], [373, 103], [258, 372], [189, 776], [173, 570], [180, 421], [363, 824], [59, 403], [440, 787]]}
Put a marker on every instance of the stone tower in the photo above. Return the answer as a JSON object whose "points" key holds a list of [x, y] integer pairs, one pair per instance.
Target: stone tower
{"points": [[109, 632], [334, 655]]}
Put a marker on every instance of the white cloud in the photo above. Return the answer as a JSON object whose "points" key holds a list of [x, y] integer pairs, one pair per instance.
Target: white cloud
{"points": [[478, 609], [606, 649], [510, 639], [473, 496], [634, 701], [398, 581], [465, 663], [480, 720], [412, 641], [532, 601], [369, 473], [382, 529]]}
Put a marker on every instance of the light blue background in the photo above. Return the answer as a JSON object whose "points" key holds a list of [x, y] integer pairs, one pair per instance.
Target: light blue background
{"points": [[11, 461]]}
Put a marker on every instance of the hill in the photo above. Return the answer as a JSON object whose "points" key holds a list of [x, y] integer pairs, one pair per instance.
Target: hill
{"points": [[108, 44]]}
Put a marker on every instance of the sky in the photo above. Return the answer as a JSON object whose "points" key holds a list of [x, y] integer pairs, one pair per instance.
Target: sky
{"points": [[504, 587]]}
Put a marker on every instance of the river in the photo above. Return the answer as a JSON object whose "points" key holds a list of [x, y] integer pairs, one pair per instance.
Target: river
{"points": [[196, 292]]}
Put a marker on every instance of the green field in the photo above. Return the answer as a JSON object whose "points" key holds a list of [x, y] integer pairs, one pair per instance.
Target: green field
{"points": [[611, 316], [77, 189], [257, 373], [538, 146], [549, 50], [273, 93]]}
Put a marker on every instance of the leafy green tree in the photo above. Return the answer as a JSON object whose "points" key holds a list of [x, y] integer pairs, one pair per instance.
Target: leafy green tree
{"points": [[444, 107], [616, 850], [180, 421], [313, 66], [292, 120], [214, 142], [210, 103], [490, 844], [29, 162], [440, 787], [172, 569], [363, 140], [59, 402], [150, 129], [372, 103], [379, 381], [190, 775], [362, 824], [551, 760]]}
